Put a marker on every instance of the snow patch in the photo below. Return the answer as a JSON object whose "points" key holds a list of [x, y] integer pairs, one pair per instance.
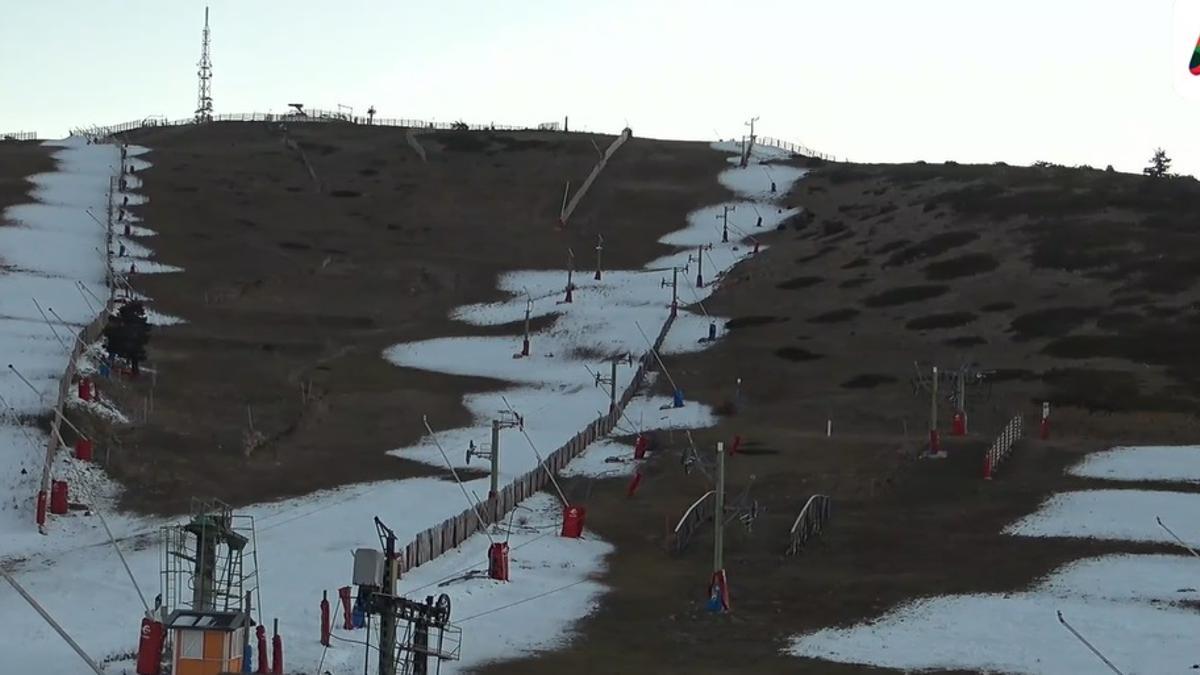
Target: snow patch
{"points": [[1144, 463], [1127, 515]]}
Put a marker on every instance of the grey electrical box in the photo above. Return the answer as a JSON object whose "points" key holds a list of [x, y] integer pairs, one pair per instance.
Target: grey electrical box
{"points": [[368, 567]]}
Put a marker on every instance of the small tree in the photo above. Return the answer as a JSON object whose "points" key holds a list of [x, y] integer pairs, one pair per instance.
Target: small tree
{"points": [[1160, 165], [127, 333]]}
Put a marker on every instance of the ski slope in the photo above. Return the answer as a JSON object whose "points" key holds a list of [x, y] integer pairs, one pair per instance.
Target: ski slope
{"points": [[304, 544]]}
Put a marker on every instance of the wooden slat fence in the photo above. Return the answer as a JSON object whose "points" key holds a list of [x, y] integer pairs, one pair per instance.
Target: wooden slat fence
{"points": [[18, 136], [87, 335], [809, 523], [452, 532], [1003, 445]]}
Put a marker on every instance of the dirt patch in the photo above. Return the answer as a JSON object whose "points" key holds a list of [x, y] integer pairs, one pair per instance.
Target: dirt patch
{"points": [[967, 265], [18, 161], [856, 282], [868, 381], [1117, 321], [905, 295], [1051, 322], [799, 282], [965, 341], [931, 247], [892, 246], [832, 227], [1012, 375], [1101, 390], [797, 354], [1131, 300], [857, 262], [824, 251], [835, 316], [944, 320], [1002, 306], [752, 321]]}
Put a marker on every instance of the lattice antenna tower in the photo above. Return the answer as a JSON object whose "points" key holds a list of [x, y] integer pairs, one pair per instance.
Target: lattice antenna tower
{"points": [[204, 106]]}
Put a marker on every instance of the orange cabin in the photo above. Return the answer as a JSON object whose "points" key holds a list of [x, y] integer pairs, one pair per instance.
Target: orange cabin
{"points": [[207, 642]]}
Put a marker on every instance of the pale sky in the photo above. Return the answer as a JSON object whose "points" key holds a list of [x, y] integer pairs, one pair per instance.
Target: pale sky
{"points": [[1070, 81]]}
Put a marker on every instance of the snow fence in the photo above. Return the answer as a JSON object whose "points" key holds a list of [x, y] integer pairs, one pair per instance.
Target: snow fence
{"points": [[86, 336], [452, 532]]}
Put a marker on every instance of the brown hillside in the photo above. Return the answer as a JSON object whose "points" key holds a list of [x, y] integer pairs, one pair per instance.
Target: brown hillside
{"points": [[1074, 286], [292, 281]]}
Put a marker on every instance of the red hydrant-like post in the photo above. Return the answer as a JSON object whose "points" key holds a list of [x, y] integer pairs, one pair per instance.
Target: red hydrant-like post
{"points": [[41, 508], [639, 447], [150, 647], [634, 484], [348, 617], [261, 633], [325, 628], [498, 561], [84, 449], [958, 423]]}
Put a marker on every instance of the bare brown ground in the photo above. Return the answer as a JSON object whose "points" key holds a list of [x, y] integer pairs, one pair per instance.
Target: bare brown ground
{"points": [[903, 528], [292, 282], [18, 161]]}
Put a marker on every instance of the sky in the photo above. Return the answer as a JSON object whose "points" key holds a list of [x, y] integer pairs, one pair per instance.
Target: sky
{"points": [[1092, 82]]}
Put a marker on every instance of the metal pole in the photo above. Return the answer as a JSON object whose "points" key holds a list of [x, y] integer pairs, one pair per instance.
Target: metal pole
{"points": [[700, 267], [387, 619], [113, 540], [1176, 537], [933, 393], [53, 624], [495, 459], [599, 250], [962, 397], [1088, 644], [570, 274], [612, 389], [528, 311], [248, 608], [719, 512], [674, 290]]}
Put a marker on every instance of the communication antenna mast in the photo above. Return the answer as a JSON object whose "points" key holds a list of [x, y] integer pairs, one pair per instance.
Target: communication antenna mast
{"points": [[204, 106]]}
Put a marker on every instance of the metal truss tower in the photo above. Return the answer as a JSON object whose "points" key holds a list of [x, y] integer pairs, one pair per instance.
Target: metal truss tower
{"points": [[204, 106]]}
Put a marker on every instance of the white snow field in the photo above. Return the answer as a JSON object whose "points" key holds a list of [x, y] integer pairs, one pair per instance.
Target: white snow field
{"points": [[1018, 633], [65, 273], [304, 544], [1127, 515], [52, 266], [1131, 606], [1167, 463]]}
